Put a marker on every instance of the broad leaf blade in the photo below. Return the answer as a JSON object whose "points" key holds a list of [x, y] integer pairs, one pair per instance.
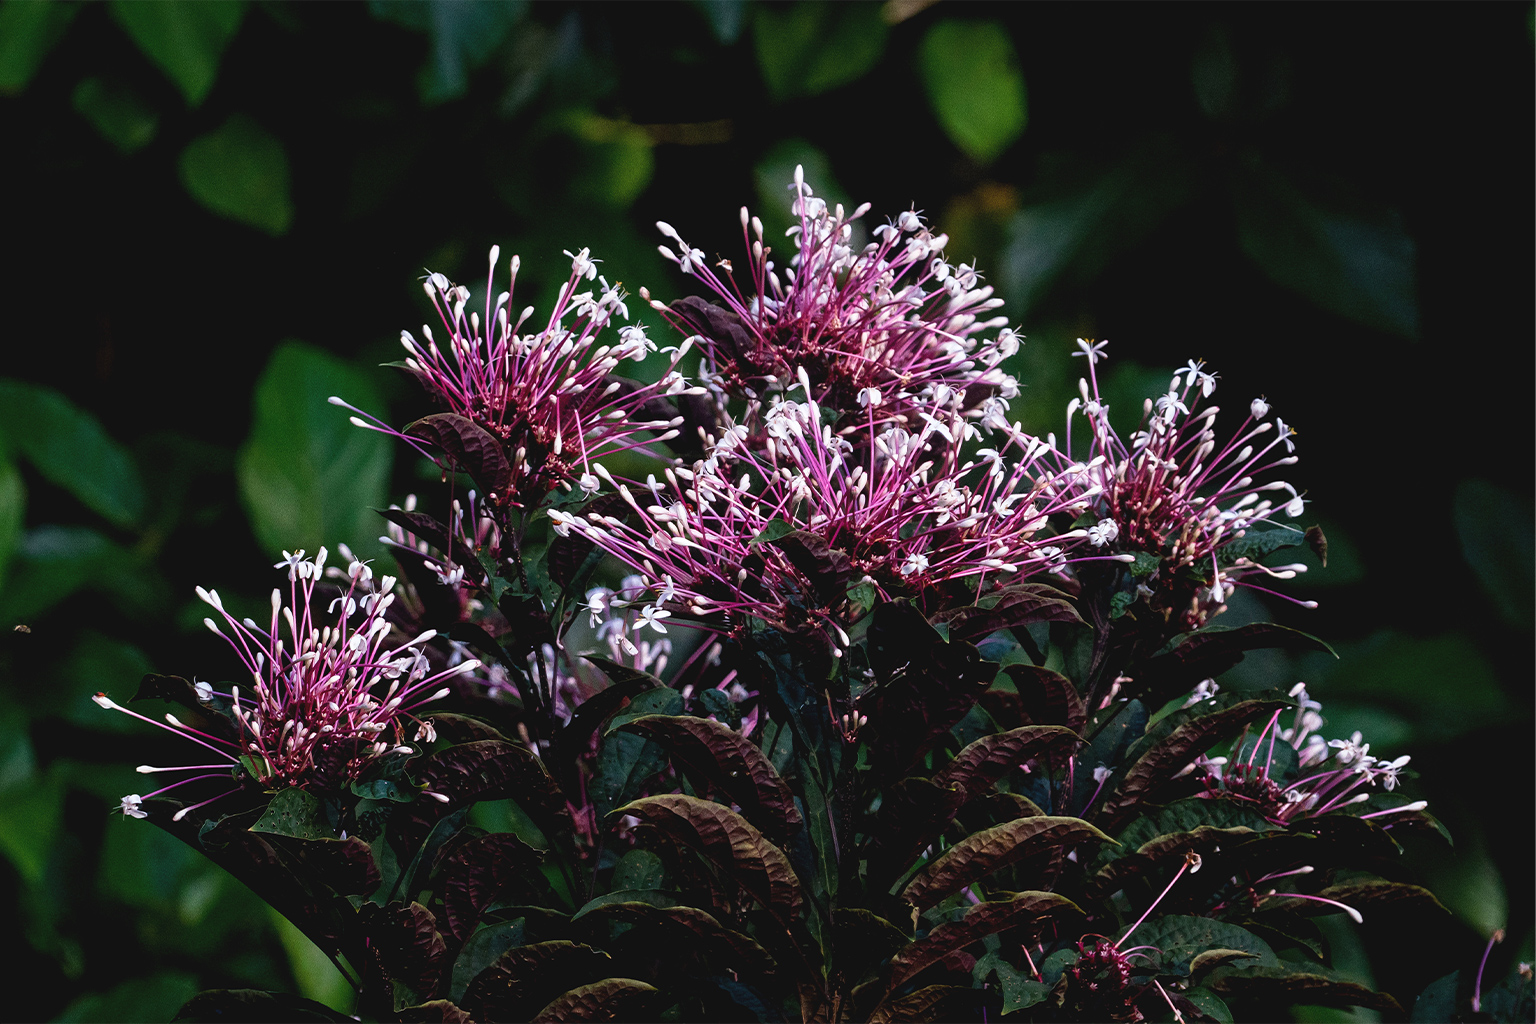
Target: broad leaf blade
{"points": [[977, 855]]}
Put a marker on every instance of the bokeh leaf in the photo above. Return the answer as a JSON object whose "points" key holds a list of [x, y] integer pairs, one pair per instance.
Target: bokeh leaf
{"points": [[186, 41], [810, 48], [307, 476], [69, 448], [1495, 530], [462, 34], [29, 821], [13, 512], [240, 171], [972, 76], [1350, 259], [28, 30], [118, 113], [156, 997]]}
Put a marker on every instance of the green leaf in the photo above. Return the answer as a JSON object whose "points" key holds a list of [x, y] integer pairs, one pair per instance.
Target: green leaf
{"points": [[986, 851], [184, 40], [29, 822], [156, 997], [13, 513], [118, 113], [775, 529], [1347, 256], [776, 170], [617, 161], [240, 171], [232, 1004], [1019, 989], [809, 48], [1494, 527], [293, 812], [69, 448], [1182, 939], [317, 976], [971, 73], [28, 30], [1261, 540], [463, 35], [481, 951], [626, 761], [307, 476]]}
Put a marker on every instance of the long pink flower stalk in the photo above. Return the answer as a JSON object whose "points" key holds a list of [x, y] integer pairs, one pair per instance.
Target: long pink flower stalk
{"points": [[326, 699]]}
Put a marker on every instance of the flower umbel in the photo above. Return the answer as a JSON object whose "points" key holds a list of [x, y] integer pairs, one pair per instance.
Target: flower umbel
{"points": [[326, 701], [891, 324], [550, 398]]}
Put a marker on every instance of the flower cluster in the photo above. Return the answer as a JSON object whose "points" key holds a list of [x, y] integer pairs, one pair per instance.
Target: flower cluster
{"points": [[1332, 774], [781, 534], [326, 701], [1176, 492], [550, 397], [891, 320]]}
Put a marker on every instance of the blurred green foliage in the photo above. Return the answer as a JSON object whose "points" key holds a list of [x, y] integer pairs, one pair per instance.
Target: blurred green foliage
{"points": [[1333, 209]]}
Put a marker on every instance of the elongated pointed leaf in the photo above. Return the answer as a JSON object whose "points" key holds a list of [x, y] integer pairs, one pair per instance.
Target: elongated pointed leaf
{"points": [[433, 1011], [980, 921], [609, 999], [254, 1004], [1165, 758], [469, 447], [403, 945], [978, 767], [1373, 892], [1283, 984], [495, 770], [731, 763], [936, 1002], [1212, 651], [727, 840], [1014, 606], [674, 932], [976, 855], [525, 978]]}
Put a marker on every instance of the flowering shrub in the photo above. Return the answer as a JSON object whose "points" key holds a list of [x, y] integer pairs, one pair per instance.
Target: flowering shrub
{"points": [[898, 713]]}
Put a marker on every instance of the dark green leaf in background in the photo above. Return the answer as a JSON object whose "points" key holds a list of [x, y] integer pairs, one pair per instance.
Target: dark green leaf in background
{"points": [[156, 997], [1348, 257], [13, 511], [972, 76], [69, 448], [117, 112], [28, 30], [240, 171], [184, 40], [462, 35], [1495, 530], [53, 562], [293, 812], [773, 174], [307, 475], [810, 48]]}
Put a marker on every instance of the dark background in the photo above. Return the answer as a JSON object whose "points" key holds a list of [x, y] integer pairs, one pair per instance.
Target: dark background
{"points": [[1330, 204]]}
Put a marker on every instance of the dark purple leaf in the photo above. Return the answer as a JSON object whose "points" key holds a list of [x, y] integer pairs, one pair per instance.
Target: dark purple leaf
{"points": [[1010, 608], [977, 855], [479, 871], [525, 978], [469, 447]]}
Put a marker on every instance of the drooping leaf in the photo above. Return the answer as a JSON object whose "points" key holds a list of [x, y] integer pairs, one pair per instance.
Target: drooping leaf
{"points": [[936, 1002], [1365, 893], [626, 761], [469, 447], [240, 171], [186, 41], [479, 871], [1183, 938], [1166, 756], [495, 770], [674, 933], [1212, 651], [526, 978], [727, 840], [731, 763], [979, 854], [1285, 984], [29, 29], [69, 448], [423, 527], [431, 1012], [1184, 816], [615, 999], [810, 48], [307, 476], [981, 920], [481, 949], [978, 767], [1493, 525], [1010, 608], [971, 73]]}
